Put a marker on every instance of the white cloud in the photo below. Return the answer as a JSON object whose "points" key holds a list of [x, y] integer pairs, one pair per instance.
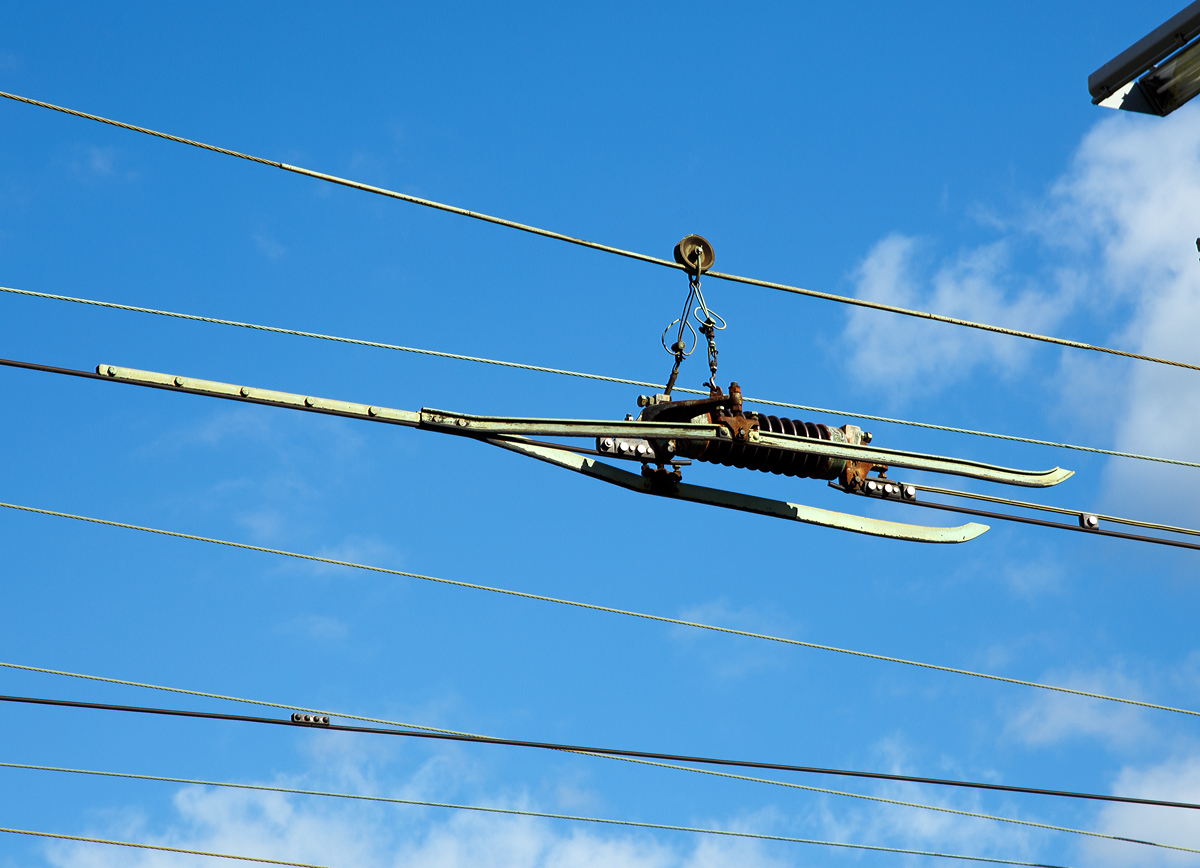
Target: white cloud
{"points": [[976, 284], [1107, 255], [1175, 780], [1130, 199], [1051, 717], [308, 829]]}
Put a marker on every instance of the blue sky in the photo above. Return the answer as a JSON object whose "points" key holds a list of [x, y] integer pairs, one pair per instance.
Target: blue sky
{"points": [[944, 157]]}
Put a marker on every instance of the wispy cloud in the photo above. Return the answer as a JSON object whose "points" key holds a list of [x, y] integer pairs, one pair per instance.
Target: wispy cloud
{"points": [[365, 836], [1050, 718], [1106, 255], [268, 246], [1175, 780], [977, 284]]}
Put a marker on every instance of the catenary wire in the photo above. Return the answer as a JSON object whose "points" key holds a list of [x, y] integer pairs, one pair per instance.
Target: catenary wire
{"points": [[582, 749], [633, 760], [663, 619], [163, 848], [1057, 525], [872, 847], [1024, 504], [563, 372], [558, 236], [543, 814]]}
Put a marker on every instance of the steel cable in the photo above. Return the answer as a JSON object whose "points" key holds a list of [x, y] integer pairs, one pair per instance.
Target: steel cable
{"points": [[558, 747], [636, 761], [163, 848], [547, 815], [871, 847], [558, 236], [563, 372], [607, 609]]}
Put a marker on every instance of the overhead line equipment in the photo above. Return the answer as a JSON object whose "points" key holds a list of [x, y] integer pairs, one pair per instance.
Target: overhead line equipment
{"points": [[669, 435], [322, 722], [575, 817], [605, 248], [583, 375], [877, 848]]}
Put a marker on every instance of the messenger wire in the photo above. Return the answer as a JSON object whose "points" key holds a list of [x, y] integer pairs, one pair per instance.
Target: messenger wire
{"points": [[543, 814], [633, 760], [582, 749], [583, 375], [612, 610], [605, 248]]}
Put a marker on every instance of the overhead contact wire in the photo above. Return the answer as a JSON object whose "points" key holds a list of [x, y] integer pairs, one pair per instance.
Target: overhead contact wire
{"points": [[163, 848], [570, 239], [636, 761], [495, 741], [633, 760], [876, 848], [607, 609], [582, 375], [545, 814]]}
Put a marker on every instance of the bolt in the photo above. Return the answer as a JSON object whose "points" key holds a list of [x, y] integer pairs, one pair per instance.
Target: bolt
{"points": [[670, 447], [606, 444], [461, 423], [643, 400], [871, 486], [889, 489], [372, 411], [308, 402], [179, 381], [1090, 522], [623, 447], [244, 391], [910, 491], [112, 372], [866, 437], [641, 449]]}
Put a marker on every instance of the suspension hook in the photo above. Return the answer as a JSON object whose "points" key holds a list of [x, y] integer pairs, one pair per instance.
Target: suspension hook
{"points": [[696, 255]]}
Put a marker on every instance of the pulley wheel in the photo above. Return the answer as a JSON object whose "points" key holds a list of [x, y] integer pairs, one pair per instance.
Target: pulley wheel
{"points": [[693, 250]]}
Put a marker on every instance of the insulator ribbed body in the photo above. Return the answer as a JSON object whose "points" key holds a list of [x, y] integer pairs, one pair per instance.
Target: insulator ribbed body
{"points": [[770, 460]]}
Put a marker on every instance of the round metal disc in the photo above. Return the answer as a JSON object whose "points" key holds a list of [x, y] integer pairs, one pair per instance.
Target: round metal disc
{"points": [[694, 247]]}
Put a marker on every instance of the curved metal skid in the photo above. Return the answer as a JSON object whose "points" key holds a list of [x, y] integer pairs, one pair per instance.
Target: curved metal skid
{"points": [[746, 502], [492, 430]]}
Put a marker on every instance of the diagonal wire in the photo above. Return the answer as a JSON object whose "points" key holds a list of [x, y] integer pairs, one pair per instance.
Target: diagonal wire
{"points": [[543, 814], [582, 375], [607, 609], [872, 847], [605, 248], [162, 848], [634, 760]]}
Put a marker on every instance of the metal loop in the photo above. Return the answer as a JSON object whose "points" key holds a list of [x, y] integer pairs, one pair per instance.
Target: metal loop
{"points": [[708, 319], [688, 325]]}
